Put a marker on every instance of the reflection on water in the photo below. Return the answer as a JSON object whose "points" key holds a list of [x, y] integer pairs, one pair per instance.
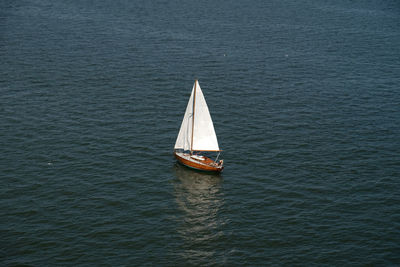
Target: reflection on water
{"points": [[200, 198]]}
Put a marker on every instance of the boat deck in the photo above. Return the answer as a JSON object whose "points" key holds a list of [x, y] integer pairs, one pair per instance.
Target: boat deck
{"points": [[198, 162]]}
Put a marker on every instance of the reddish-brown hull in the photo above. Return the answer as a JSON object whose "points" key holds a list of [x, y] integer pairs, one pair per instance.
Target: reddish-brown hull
{"points": [[203, 166]]}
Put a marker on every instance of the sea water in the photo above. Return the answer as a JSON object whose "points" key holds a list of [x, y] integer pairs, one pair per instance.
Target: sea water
{"points": [[305, 101]]}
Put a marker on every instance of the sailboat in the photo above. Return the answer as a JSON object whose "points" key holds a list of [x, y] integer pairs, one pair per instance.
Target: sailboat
{"points": [[197, 135]]}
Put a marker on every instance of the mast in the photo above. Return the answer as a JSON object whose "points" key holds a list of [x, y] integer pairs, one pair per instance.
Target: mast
{"points": [[194, 103]]}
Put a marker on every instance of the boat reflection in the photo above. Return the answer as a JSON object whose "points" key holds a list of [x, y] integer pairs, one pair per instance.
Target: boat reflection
{"points": [[200, 198]]}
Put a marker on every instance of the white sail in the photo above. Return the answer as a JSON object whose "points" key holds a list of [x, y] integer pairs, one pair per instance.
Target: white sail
{"points": [[204, 137], [184, 139]]}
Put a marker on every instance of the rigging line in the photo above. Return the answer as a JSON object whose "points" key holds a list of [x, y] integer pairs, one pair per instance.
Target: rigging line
{"points": [[217, 157]]}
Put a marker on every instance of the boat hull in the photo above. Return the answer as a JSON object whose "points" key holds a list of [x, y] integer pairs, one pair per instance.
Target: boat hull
{"points": [[203, 165]]}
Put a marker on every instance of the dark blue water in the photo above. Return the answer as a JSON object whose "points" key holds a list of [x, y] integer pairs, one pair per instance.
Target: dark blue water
{"points": [[305, 100]]}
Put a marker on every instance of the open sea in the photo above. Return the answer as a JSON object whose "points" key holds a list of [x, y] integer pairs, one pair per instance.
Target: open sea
{"points": [[305, 99]]}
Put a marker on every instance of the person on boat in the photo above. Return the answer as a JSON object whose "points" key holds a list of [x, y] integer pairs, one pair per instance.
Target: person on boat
{"points": [[221, 162]]}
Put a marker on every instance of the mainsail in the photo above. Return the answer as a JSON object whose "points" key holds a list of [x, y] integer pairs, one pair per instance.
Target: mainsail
{"points": [[197, 129]]}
